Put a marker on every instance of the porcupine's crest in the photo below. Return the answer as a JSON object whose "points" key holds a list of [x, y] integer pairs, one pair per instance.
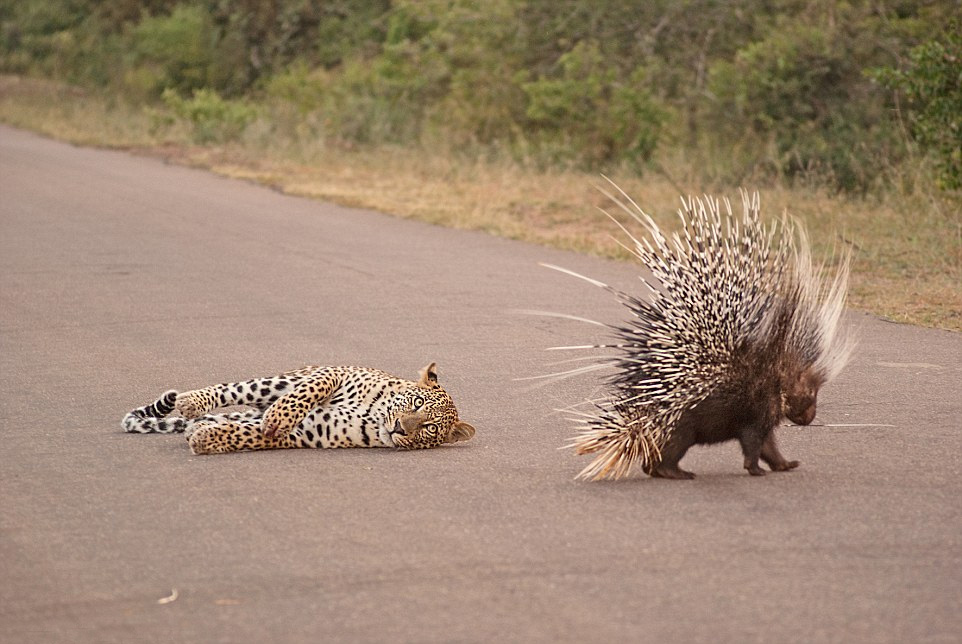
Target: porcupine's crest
{"points": [[725, 283], [814, 335]]}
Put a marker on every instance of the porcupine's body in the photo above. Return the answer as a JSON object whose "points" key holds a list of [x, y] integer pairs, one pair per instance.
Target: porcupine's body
{"points": [[740, 331]]}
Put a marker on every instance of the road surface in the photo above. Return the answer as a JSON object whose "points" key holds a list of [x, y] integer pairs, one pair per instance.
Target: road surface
{"points": [[122, 277]]}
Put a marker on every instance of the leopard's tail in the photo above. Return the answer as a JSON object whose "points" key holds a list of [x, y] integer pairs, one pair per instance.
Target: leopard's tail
{"points": [[152, 418]]}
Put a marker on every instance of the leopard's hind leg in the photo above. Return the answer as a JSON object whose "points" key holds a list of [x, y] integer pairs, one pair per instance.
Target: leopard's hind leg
{"points": [[259, 393], [235, 432]]}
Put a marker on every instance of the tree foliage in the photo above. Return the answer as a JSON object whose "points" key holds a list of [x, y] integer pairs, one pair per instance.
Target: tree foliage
{"points": [[747, 88], [931, 84]]}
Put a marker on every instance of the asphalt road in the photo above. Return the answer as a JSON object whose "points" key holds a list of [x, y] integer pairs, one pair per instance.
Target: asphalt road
{"points": [[121, 277]]}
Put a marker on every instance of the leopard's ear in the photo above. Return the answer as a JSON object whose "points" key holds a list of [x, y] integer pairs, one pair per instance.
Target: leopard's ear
{"points": [[460, 431], [429, 376]]}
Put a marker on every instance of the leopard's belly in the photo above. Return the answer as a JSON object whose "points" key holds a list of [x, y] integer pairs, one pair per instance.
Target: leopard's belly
{"points": [[345, 424]]}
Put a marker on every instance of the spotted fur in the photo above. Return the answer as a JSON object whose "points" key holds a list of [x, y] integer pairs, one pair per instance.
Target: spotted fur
{"points": [[313, 407], [151, 418]]}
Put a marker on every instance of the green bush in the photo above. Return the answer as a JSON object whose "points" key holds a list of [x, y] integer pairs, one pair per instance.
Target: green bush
{"points": [[795, 94], [59, 38], [173, 51], [932, 87], [255, 39], [385, 99], [480, 48], [744, 88], [299, 86], [588, 116], [212, 118]]}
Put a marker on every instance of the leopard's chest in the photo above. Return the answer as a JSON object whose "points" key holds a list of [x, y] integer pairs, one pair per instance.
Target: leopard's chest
{"points": [[351, 417]]}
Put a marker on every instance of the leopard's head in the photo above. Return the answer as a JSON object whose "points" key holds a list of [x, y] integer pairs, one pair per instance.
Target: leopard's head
{"points": [[425, 416]]}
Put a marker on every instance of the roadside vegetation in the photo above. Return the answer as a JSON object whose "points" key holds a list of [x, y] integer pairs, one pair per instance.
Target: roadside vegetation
{"points": [[501, 115]]}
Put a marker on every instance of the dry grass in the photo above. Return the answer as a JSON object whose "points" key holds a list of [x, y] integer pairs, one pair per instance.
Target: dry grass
{"points": [[71, 114], [908, 248]]}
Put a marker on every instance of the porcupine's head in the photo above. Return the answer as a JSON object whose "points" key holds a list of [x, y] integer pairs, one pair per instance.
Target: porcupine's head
{"points": [[814, 351], [799, 397]]}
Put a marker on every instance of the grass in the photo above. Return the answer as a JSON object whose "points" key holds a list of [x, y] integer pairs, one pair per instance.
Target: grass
{"points": [[907, 244]]}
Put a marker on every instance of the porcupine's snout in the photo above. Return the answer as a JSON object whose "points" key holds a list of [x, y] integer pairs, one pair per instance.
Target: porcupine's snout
{"points": [[799, 405], [803, 417], [799, 402]]}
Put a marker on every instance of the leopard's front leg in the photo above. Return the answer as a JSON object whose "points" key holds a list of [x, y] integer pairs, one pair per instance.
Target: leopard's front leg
{"points": [[289, 410], [221, 436]]}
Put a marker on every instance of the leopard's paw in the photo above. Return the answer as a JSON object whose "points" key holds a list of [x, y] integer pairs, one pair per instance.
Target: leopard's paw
{"points": [[190, 428], [203, 439], [194, 404], [278, 421]]}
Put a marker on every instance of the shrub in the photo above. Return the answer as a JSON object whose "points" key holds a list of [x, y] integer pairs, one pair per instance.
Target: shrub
{"points": [[588, 115], [385, 99], [932, 87], [212, 118], [798, 94], [173, 51]]}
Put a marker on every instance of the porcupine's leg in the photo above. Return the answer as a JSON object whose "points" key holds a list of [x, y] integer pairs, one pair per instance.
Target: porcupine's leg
{"points": [[752, 438], [665, 471], [774, 458], [672, 453]]}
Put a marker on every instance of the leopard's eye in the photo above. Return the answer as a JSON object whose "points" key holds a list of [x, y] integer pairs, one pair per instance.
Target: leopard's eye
{"points": [[430, 427], [418, 402]]}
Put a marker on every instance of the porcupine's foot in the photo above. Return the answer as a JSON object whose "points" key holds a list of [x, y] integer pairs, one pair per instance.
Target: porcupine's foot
{"points": [[665, 471], [751, 464], [666, 466], [783, 466], [774, 458]]}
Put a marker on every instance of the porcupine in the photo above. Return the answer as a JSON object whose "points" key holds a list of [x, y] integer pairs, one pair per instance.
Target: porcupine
{"points": [[740, 331]]}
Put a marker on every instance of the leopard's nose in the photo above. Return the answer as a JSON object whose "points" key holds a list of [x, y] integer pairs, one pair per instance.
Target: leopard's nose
{"points": [[398, 429]]}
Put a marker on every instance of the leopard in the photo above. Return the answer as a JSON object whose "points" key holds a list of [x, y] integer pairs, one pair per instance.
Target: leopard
{"points": [[312, 407]]}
